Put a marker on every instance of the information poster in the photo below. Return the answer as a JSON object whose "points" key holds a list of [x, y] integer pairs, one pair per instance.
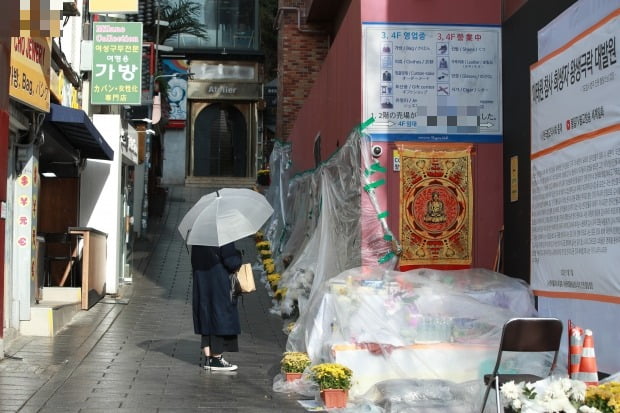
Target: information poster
{"points": [[432, 83], [575, 200], [117, 63]]}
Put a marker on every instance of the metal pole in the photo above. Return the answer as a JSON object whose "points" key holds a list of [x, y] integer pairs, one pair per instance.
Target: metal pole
{"points": [[147, 148]]}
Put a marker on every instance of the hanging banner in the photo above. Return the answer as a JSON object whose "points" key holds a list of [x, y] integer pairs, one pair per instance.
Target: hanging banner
{"points": [[29, 78], [432, 83], [575, 199], [574, 90], [117, 63], [436, 198]]}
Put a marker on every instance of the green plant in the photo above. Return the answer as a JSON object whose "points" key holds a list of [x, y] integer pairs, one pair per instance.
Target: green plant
{"points": [[294, 362], [332, 376], [182, 18]]}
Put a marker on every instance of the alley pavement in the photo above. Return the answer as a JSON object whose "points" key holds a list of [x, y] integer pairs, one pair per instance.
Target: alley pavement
{"points": [[137, 352]]}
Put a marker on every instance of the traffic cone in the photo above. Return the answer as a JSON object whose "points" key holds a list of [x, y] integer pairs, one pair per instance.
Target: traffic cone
{"points": [[575, 349], [588, 372]]}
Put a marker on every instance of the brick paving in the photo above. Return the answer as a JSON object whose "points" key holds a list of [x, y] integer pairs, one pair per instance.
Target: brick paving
{"points": [[138, 353]]}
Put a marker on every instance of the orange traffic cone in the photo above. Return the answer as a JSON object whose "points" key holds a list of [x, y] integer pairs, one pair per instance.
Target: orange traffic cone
{"points": [[587, 367], [575, 349]]}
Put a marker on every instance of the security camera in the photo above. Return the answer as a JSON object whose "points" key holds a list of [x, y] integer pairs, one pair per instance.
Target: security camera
{"points": [[377, 151]]}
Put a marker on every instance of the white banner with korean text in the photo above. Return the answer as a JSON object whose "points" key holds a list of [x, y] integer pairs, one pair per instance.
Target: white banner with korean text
{"points": [[574, 90], [575, 168]]}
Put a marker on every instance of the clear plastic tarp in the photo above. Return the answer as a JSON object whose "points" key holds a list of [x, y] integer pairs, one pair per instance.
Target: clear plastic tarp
{"points": [[320, 218], [411, 338]]}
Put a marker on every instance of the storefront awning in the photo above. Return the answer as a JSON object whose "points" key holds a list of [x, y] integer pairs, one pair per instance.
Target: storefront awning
{"points": [[75, 126]]}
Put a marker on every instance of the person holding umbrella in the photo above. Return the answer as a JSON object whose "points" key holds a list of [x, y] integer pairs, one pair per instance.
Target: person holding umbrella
{"points": [[211, 227], [214, 308]]}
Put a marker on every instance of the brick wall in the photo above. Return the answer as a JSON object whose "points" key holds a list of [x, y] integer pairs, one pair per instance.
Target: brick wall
{"points": [[300, 54]]}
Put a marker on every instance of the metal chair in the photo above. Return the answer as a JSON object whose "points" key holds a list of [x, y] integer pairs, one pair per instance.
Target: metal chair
{"points": [[531, 335]]}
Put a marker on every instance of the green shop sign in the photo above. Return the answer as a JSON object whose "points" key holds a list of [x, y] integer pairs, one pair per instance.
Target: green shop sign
{"points": [[117, 63]]}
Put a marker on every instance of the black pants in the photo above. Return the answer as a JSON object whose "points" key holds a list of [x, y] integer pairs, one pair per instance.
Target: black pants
{"points": [[219, 344]]}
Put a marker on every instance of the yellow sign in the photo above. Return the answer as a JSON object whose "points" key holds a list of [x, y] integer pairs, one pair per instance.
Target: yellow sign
{"points": [[29, 78], [514, 178], [113, 6]]}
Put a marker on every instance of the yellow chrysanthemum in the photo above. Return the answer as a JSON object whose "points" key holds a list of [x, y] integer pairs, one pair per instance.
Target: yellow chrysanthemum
{"points": [[605, 397], [332, 376], [273, 278], [294, 362]]}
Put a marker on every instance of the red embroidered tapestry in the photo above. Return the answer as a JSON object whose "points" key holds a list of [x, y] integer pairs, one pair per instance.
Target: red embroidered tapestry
{"points": [[436, 197]]}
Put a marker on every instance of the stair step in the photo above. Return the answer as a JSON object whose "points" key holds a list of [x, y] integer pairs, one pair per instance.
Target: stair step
{"points": [[48, 317]]}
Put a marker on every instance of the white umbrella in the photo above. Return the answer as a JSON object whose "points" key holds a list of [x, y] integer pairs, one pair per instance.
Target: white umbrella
{"points": [[224, 216]]}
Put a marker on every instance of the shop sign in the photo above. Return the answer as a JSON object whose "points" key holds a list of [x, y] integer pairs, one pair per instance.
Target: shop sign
{"points": [[113, 6], [232, 91], [29, 80], [117, 63], [129, 146]]}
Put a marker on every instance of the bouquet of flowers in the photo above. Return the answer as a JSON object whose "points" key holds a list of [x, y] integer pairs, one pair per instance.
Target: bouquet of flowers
{"points": [[561, 395], [544, 396], [604, 398]]}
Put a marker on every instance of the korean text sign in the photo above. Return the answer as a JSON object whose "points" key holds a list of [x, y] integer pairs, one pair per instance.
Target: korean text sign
{"points": [[575, 199], [117, 63], [432, 83]]}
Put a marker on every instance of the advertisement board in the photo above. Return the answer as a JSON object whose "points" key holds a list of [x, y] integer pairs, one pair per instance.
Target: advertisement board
{"points": [[117, 63], [432, 82], [29, 76]]}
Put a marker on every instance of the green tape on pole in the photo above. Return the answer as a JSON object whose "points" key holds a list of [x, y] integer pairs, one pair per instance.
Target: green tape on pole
{"points": [[383, 214], [373, 185], [377, 167], [388, 237], [366, 124], [386, 257]]}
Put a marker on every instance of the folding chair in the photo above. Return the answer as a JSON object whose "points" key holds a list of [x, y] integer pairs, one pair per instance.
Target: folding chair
{"points": [[523, 335]]}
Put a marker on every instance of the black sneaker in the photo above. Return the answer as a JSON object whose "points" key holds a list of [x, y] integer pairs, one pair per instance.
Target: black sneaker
{"points": [[219, 364]]}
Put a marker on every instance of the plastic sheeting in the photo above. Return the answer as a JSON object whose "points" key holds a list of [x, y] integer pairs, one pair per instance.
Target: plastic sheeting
{"points": [[316, 231], [402, 333], [420, 324]]}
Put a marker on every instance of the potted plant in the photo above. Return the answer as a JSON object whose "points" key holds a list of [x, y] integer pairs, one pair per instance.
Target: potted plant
{"points": [[334, 382], [293, 364]]}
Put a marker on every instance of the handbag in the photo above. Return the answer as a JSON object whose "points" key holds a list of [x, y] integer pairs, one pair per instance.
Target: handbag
{"points": [[246, 279], [242, 281]]}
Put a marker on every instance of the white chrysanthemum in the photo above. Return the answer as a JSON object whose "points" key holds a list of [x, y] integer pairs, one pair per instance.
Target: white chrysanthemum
{"points": [[511, 390], [578, 392], [588, 409]]}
